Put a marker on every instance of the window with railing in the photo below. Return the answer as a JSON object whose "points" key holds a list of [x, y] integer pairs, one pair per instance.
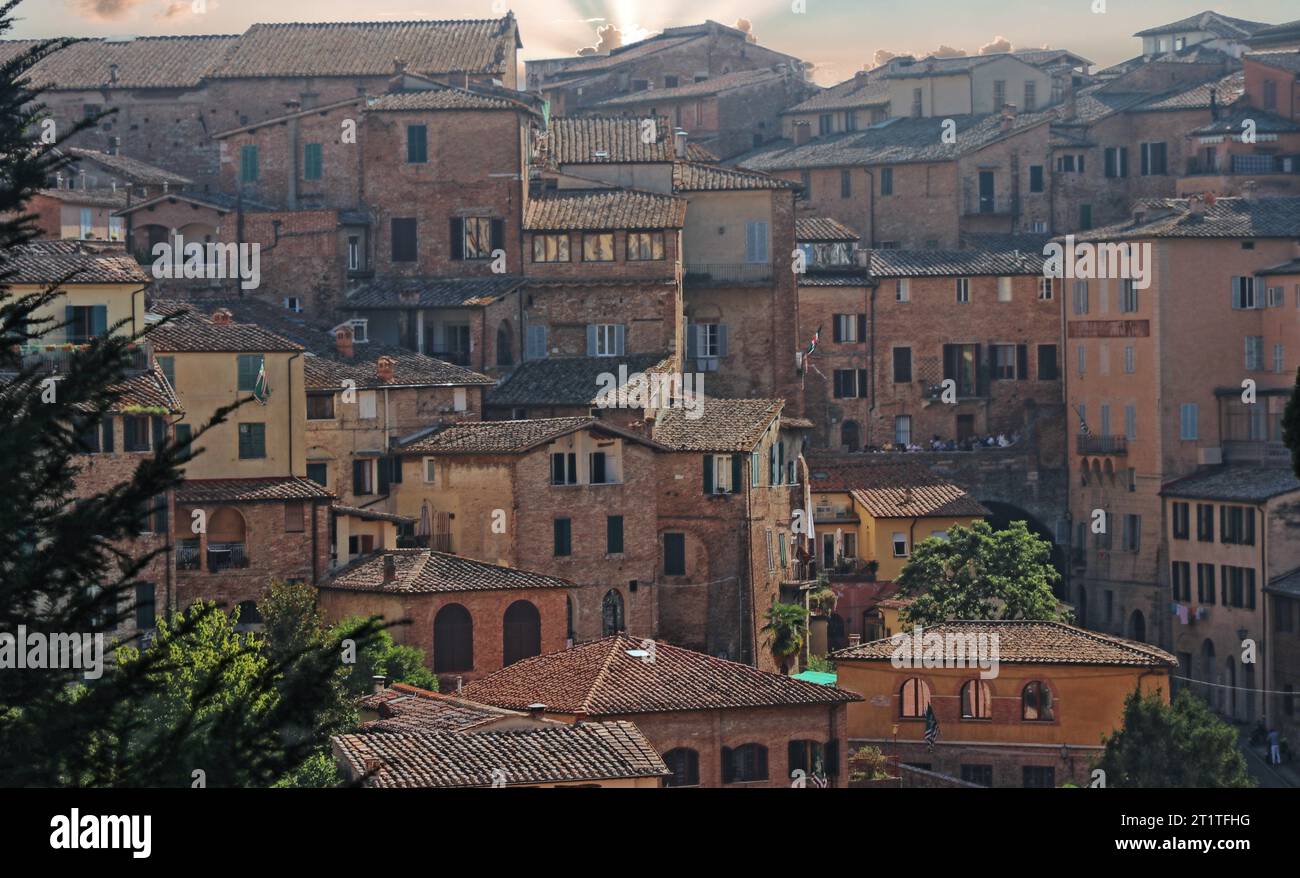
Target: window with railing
{"points": [[226, 556]]}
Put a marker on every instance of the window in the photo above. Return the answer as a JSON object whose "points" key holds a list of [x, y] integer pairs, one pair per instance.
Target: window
{"points": [[645, 246], [312, 162], [913, 698], [1035, 178], [598, 247], [1269, 96], [354, 253], [605, 339], [536, 349], [1036, 702], [453, 640], [564, 468], [903, 430], [744, 764], [1237, 525], [1047, 368], [886, 181], [902, 365], [721, 473], [1130, 359], [404, 239], [1116, 161], [85, 322], [1188, 414], [293, 517], [168, 366], [1243, 293], [146, 614], [1004, 362], [1083, 360], [252, 441], [1031, 95], [1080, 297], [248, 163], [614, 535], [480, 235], [1154, 160], [670, 82], [318, 473], [550, 247], [684, 764], [367, 405], [417, 144], [563, 543], [1039, 777], [805, 185], [903, 290], [849, 328], [976, 700], [850, 383], [675, 555], [1182, 520], [363, 477], [1130, 422], [825, 124], [756, 238], [1205, 583], [846, 184], [116, 228], [1204, 523], [900, 545], [521, 632], [597, 471], [1279, 358], [963, 290], [1004, 289], [1254, 353], [999, 95], [87, 222], [135, 433], [1044, 289], [1132, 533], [1128, 296], [320, 406], [1180, 578], [978, 774], [1085, 210]]}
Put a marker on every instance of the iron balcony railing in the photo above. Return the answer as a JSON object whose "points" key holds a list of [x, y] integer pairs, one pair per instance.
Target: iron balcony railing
{"points": [[1089, 443], [56, 359], [728, 272], [226, 556], [189, 555]]}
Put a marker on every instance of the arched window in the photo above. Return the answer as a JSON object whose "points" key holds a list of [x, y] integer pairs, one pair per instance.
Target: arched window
{"points": [[684, 763], [522, 632], [976, 700], [849, 435], [748, 762], [249, 614], [1036, 702], [914, 697], [1138, 625], [453, 640], [611, 613]]}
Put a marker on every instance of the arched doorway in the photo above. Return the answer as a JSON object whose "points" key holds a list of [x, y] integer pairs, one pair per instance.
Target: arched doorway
{"points": [[453, 640], [611, 613], [226, 539], [849, 435], [521, 632], [1138, 626]]}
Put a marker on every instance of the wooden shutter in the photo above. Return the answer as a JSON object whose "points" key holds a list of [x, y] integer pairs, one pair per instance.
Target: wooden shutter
{"points": [[722, 339], [728, 768], [395, 463], [708, 473], [457, 238], [591, 339], [797, 756], [382, 466], [498, 234], [736, 474], [359, 476], [832, 758], [862, 383], [597, 466], [99, 320], [106, 443], [1022, 362], [159, 431], [836, 336], [862, 327]]}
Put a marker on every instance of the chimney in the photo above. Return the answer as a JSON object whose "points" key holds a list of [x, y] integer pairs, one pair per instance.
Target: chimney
{"points": [[377, 683], [1196, 205], [1249, 190], [855, 640], [679, 143], [385, 368], [399, 66], [372, 764], [1071, 100], [390, 569], [165, 183], [1008, 117], [1214, 104], [112, 74], [81, 175], [222, 317], [536, 711], [802, 133], [343, 341]]}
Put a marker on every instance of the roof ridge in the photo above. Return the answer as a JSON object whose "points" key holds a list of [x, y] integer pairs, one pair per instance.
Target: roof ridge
{"points": [[616, 641]]}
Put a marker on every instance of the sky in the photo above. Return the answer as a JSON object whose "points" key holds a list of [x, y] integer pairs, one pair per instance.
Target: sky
{"points": [[838, 37]]}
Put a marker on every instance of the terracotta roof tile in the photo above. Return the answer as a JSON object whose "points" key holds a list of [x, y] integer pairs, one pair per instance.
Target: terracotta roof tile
{"points": [[1197, 97], [1245, 484], [697, 153], [605, 139], [90, 197], [697, 177], [430, 292], [437, 99], [822, 228], [129, 169], [615, 676], [192, 332], [421, 571], [566, 381], [576, 209], [545, 754], [142, 62], [704, 88], [624, 54], [145, 390], [723, 425], [43, 262], [370, 514], [860, 91], [1262, 217], [894, 489], [505, 437], [1023, 641], [404, 708], [410, 369], [954, 263], [269, 490], [1212, 22], [368, 48]]}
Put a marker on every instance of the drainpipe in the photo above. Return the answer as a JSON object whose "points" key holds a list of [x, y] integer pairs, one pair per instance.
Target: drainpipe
{"points": [[289, 419], [871, 364], [749, 564]]}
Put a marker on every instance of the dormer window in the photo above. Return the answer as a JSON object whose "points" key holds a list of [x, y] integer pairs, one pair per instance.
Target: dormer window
{"points": [[360, 330]]}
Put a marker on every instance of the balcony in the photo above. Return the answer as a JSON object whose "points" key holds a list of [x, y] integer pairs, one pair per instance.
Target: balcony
{"points": [[727, 272], [1089, 443], [189, 556], [56, 359], [226, 556], [458, 358]]}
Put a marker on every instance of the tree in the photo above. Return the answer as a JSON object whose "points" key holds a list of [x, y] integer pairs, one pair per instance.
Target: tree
{"points": [[1291, 425], [980, 573], [788, 625], [69, 562], [1179, 745], [382, 656]]}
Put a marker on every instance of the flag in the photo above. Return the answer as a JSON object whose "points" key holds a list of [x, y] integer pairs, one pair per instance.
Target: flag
{"points": [[262, 389], [812, 345], [1083, 424], [931, 726]]}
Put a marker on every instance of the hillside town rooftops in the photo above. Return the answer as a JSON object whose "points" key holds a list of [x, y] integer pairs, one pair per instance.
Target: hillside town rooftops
{"points": [[954, 263], [188, 331], [1242, 484], [1280, 60], [409, 369], [580, 140], [714, 85], [1209, 22], [116, 63], [131, 170], [438, 98], [422, 571], [896, 489], [813, 229], [1261, 217], [88, 197]]}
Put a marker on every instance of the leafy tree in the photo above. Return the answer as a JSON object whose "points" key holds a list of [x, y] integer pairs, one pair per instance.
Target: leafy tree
{"points": [[788, 625], [1181, 745], [1291, 425], [384, 657], [980, 573], [198, 697]]}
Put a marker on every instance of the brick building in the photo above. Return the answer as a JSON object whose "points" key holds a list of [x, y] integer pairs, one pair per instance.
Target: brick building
{"points": [[1038, 723], [716, 723], [469, 617]]}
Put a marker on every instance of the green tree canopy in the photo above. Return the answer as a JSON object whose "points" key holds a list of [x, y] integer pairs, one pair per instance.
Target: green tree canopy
{"points": [[980, 573]]}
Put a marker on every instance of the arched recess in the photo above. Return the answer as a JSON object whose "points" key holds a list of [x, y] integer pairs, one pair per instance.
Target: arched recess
{"points": [[521, 632]]}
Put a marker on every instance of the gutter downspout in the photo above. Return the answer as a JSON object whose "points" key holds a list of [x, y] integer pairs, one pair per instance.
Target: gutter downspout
{"points": [[290, 418], [871, 364]]}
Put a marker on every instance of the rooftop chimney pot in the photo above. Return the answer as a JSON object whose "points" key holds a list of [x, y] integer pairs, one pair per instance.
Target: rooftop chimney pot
{"points": [[343, 341], [222, 317], [802, 133], [390, 569]]}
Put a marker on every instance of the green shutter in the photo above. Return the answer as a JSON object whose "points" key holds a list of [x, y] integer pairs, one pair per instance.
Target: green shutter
{"points": [[312, 162], [736, 474], [248, 164], [417, 144], [708, 473]]}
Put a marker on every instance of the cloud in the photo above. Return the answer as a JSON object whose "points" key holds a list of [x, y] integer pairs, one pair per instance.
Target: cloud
{"points": [[175, 8], [105, 8], [945, 51], [747, 27], [608, 37], [883, 56], [999, 44]]}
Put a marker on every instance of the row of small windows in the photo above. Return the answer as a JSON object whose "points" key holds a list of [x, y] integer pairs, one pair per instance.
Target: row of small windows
{"points": [[962, 289], [977, 700], [1236, 523], [1237, 584], [598, 247], [748, 763]]}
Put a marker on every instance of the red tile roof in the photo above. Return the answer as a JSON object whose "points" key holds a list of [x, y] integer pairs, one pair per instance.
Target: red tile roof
{"points": [[605, 139], [722, 425], [620, 675], [193, 332], [603, 209], [404, 708], [272, 489], [545, 754], [1023, 641], [44, 262], [142, 62], [507, 437], [822, 228], [421, 571], [701, 177], [894, 489]]}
